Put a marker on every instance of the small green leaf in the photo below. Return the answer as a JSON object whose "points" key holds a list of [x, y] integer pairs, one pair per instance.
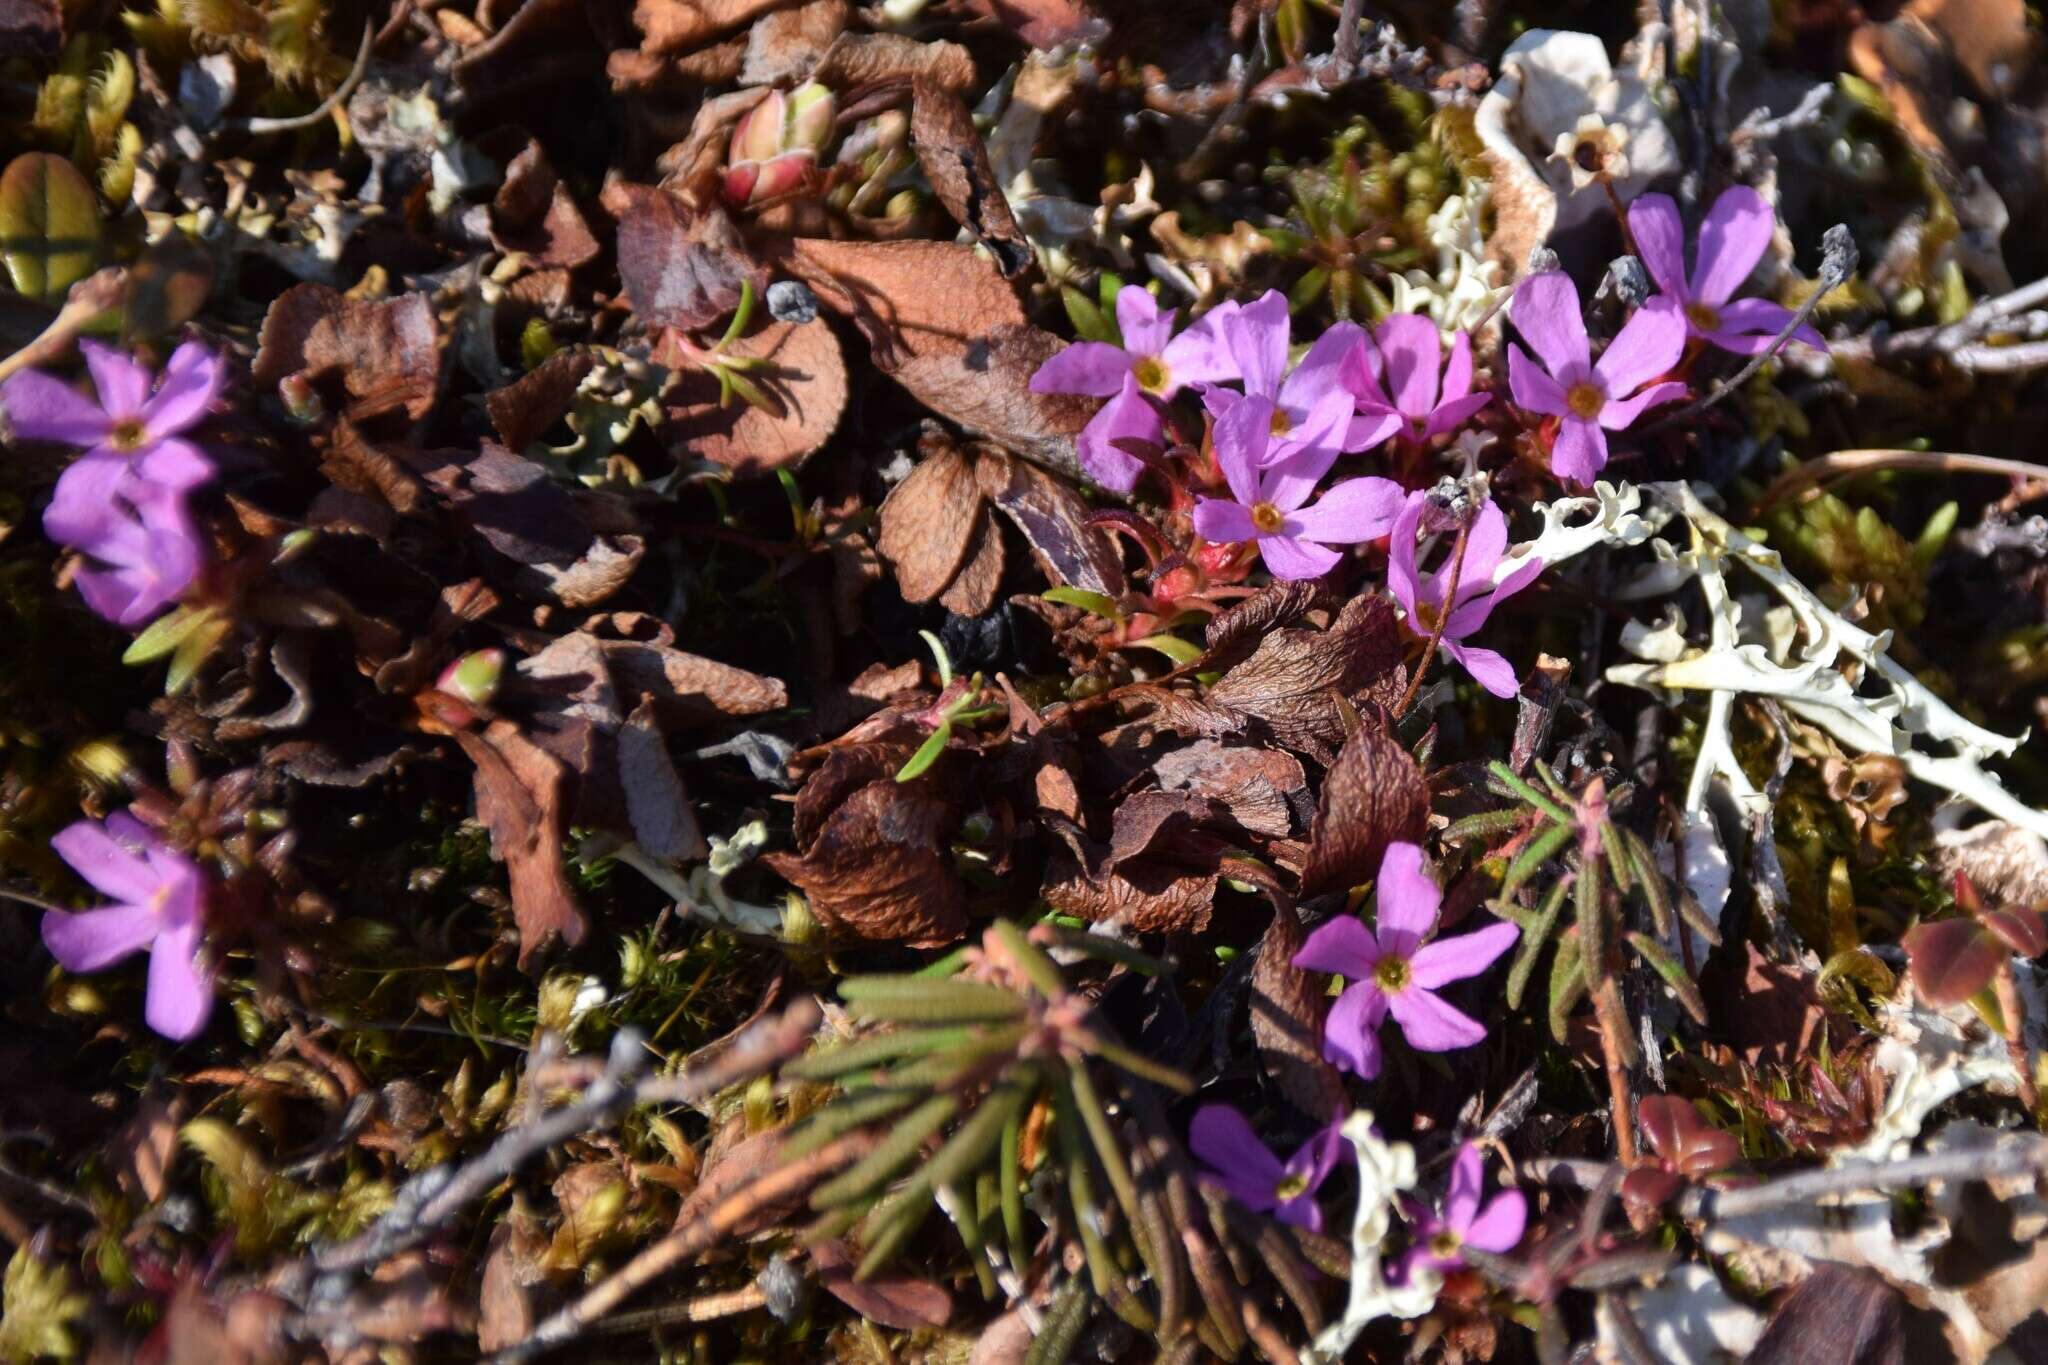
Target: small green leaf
{"points": [[1173, 647], [39, 1308], [49, 225], [1094, 603], [1567, 983], [1673, 972], [927, 753], [921, 1000], [940, 657], [1090, 322], [165, 634]]}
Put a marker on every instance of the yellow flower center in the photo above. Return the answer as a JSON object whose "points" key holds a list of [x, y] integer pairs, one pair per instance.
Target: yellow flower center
{"points": [[1281, 423], [1446, 1244], [1425, 617], [1391, 974], [1585, 400], [1267, 517], [1152, 374], [1704, 316], [1291, 1187], [128, 434]]}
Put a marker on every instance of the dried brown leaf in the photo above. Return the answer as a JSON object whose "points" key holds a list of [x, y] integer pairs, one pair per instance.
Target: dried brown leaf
{"points": [[928, 521], [973, 590], [681, 267], [1276, 604], [514, 1287], [519, 796], [985, 386], [676, 25], [1054, 520], [782, 47], [361, 466], [803, 377], [664, 822], [525, 409], [955, 161], [534, 213], [1294, 679], [1287, 1007], [879, 867], [893, 1299], [1046, 24], [1373, 795], [889, 58], [383, 354]]}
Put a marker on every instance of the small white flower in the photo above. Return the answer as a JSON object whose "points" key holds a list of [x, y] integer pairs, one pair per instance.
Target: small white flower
{"points": [[1593, 150]]}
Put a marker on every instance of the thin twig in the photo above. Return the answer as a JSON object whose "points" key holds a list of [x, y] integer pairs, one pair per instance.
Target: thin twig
{"points": [[1842, 464], [1443, 616], [261, 126], [1837, 264], [2027, 1157]]}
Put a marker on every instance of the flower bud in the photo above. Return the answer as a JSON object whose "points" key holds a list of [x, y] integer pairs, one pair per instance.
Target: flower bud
{"points": [[775, 145], [474, 677]]}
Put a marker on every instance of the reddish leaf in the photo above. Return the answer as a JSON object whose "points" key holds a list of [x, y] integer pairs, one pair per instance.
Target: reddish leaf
{"points": [[879, 867], [681, 267], [1373, 795], [383, 354], [1287, 1009], [928, 522], [802, 375], [1951, 960], [519, 796], [1293, 680], [955, 161], [892, 1299]]}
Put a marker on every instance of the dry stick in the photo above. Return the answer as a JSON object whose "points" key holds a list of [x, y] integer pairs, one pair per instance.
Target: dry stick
{"points": [[1606, 1004], [687, 1243], [2015, 1159], [1443, 616], [98, 293], [1842, 464], [436, 1196], [1947, 336], [325, 107], [1838, 262], [2013, 1013]]}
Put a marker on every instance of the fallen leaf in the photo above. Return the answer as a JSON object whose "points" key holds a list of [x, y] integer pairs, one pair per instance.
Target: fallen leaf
{"points": [[1287, 1006], [525, 409], [1259, 787], [534, 213], [681, 267], [141, 1152], [892, 1298], [674, 25], [1373, 795], [519, 796], [879, 867], [663, 820], [802, 375], [514, 1290], [1046, 24], [1276, 604], [782, 47], [955, 161], [860, 59], [1835, 1315], [1054, 520], [973, 590], [909, 299], [385, 354], [1294, 679], [928, 521], [985, 386]]}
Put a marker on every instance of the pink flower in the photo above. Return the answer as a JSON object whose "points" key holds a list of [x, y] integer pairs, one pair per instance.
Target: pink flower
{"points": [[1422, 598], [160, 904], [1734, 237], [1152, 361], [123, 501], [1249, 1172], [1591, 399], [1293, 540], [1395, 971], [1440, 1241], [1258, 334], [1429, 397]]}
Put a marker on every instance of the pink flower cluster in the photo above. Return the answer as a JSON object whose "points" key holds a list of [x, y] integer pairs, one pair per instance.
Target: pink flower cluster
{"points": [[123, 502]]}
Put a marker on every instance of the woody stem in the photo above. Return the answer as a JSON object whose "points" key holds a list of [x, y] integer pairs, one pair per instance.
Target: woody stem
{"points": [[1443, 615], [2013, 1013]]}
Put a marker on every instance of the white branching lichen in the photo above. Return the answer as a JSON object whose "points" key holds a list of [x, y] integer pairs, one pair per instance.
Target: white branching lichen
{"points": [[1385, 1170]]}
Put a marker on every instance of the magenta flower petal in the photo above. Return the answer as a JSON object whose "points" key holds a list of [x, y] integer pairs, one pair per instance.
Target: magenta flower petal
{"points": [[1258, 333], [41, 408], [1532, 386], [180, 995], [1660, 239], [1199, 355], [1128, 415], [1454, 413], [1458, 371], [1648, 345], [1294, 559], [122, 381], [1371, 427], [92, 940], [1294, 467], [1462, 955], [1402, 578], [174, 464], [1094, 368], [1580, 453], [113, 865], [1414, 359], [1223, 1139], [1242, 435], [85, 507], [1468, 1182], [1430, 1025], [1545, 310], [1323, 368], [1484, 544], [1351, 1033], [1500, 1224], [1343, 946], [1408, 900], [1489, 668], [1223, 521], [1734, 237], [1353, 511], [193, 379], [1622, 413], [1145, 326], [1749, 326]]}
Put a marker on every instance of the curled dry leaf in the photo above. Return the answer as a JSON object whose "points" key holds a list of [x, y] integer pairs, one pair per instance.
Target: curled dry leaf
{"points": [[680, 267], [889, 58], [973, 590], [514, 1288], [1054, 520], [1373, 795], [802, 377], [1276, 604], [783, 46], [678, 25], [1046, 24], [878, 867], [910, 299], [523, 410], [1287, 1006], [1261, 788], [1294, 680], [534, 213], [384, 355], [893, 1299], [955, 160], [986, 387], [519, 796]]}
